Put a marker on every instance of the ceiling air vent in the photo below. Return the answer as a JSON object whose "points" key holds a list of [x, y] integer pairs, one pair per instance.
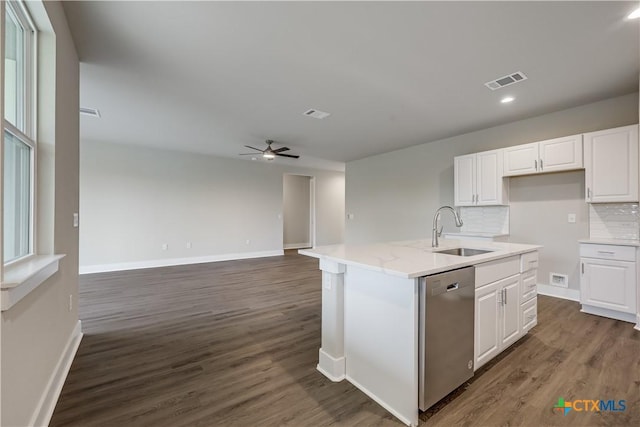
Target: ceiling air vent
{"points": [[316, 114], [89, 112], [506, 80]]}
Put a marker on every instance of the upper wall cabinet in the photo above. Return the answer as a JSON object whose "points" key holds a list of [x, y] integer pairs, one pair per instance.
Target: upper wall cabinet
{"points": [[553, 155], [478, 179], [611, 165]]}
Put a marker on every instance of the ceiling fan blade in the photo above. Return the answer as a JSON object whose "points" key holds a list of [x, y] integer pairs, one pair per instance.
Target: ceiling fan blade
{"points": [[248, 154], [280, 150], [254, 148], [287, 155]]}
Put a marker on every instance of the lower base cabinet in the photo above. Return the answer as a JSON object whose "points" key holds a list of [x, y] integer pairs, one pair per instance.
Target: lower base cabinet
{"points": [[506, 308]]}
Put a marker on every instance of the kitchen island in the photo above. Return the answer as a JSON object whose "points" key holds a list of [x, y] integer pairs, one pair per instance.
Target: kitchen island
{"points": [[370, 310]]}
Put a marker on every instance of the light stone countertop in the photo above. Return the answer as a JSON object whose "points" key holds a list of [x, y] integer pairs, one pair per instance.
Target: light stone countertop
{"points": [[463, 234], [415, 258], [617, 242]]}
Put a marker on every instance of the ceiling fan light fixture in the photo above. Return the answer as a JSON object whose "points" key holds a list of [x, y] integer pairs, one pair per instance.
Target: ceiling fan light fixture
{"points": [[269, 156]]}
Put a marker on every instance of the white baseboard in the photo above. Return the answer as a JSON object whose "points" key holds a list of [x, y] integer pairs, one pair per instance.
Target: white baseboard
{"points": [[43, 412], [330, 367], [558, 292], [611, 314], [135, 265], [297, 245]]}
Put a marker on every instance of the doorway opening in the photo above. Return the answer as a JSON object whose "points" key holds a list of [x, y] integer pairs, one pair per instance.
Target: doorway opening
{"points": [[298, 211]]}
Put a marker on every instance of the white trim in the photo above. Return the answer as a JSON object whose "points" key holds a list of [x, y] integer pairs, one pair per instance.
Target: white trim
{"points": [[331, 367], [24, 277], [43, 412], [637, 327], [611, 314], [153, 263], [297, 245], [555, 291], [380, 402]]}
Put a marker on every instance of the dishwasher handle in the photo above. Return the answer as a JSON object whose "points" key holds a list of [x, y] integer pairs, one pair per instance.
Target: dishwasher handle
{"points": [[453, 287]]}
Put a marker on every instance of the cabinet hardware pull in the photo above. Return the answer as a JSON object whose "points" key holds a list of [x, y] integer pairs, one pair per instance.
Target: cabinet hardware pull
{"points": [[505, 296], [588, 193], [606, 252], [583, 268], [477, 199], [540, 164], [535, 164]]}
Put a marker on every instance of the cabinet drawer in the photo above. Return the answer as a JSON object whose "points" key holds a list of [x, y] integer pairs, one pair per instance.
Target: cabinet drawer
{"points": [[529, 315], [528, 261], [489, 272], [529, 285], [618, 253]]}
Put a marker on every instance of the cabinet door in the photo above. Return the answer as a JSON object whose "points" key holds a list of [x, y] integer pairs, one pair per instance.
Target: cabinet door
{"points": [[560, 154], [510, 323], [611, 165], [464, 182], [489, 183], [608, 284], [487, 342], [521, 159]]}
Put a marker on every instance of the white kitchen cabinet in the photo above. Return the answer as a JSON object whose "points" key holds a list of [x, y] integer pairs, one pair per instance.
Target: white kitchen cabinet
{"points": [[487, 340], [609, 284], [497, 318], [608, 280], [510, 316], [553, 155], [478, 179], [611, 165]]}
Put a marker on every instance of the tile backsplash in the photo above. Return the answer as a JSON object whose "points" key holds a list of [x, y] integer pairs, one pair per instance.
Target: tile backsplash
{"points": [[485, 219], [614, 221]]}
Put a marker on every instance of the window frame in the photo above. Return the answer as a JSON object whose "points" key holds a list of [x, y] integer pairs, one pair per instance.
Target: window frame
{"points": [[26, 130]]}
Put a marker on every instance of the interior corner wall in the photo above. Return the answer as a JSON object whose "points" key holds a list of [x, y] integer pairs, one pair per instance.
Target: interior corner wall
{"points": [[393, 196], [36, 331], [296, 212], [134, 200]]}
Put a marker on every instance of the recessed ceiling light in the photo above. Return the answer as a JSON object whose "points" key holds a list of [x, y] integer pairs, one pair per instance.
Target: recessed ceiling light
{"points": [[635, 14], [507, 99]]}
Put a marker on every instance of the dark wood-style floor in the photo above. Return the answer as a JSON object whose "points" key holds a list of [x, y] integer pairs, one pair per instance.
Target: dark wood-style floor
{"points": [[236, 344]]}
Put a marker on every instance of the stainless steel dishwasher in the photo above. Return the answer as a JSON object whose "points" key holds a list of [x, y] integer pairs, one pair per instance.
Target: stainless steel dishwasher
{"points": [[447, 302]]}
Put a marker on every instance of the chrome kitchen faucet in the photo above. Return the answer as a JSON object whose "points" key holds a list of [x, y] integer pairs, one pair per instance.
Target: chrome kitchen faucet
{"points": [[437, 233]]}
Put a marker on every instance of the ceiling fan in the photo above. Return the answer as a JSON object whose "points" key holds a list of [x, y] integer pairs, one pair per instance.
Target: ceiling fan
{"points": [[269, 153]]}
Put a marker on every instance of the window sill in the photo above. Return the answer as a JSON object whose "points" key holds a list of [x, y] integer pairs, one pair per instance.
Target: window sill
{"points": [[22, 278]]}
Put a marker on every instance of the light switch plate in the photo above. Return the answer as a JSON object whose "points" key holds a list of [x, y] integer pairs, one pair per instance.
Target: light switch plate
{"points": [[571, 218], [76, 219]]}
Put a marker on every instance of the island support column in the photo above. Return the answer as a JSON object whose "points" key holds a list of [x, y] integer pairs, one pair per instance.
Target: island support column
{"points": [[331, 354]]}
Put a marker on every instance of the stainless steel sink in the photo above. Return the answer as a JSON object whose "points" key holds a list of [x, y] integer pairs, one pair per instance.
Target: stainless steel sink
{"points": [[463, 251]]}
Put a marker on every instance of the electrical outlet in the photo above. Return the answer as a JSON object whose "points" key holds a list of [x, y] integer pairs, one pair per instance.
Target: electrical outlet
{"points": [[70, 302], [76, 219], [571, 218], [165, 246], [350, 216], [248, 242], [188, 245]]}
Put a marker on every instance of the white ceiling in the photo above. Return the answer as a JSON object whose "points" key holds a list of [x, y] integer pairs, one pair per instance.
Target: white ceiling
{"points": [[210, 77]]}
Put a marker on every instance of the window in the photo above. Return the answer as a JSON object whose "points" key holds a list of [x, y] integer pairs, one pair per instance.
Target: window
{"points": [[19, 136]]}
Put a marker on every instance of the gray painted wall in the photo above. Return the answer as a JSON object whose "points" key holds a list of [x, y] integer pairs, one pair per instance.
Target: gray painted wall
{"points": [[134, 199], [35, 331], [296, 212], [393, 196]]}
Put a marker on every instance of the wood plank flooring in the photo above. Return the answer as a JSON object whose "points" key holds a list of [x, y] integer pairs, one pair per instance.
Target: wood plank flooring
{"points": [[236, 344]]}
